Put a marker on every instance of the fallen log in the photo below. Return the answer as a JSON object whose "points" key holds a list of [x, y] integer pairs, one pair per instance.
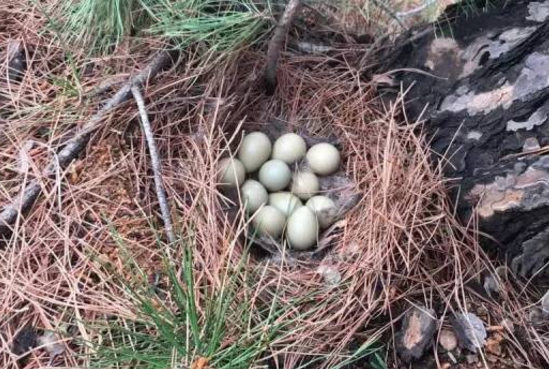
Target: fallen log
{"points": [[483, 92]]}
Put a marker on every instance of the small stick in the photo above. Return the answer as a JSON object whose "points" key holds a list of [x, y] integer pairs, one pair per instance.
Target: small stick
{"points": [[74, 146], [276, 42], [155, 161], [105, 86]]}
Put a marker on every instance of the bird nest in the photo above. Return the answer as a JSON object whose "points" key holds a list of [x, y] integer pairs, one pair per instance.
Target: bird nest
{"points": [[396, 244]]}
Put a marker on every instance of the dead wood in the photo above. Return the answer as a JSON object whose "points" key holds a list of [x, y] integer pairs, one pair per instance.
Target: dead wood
{"points": [[155, 161], [470, 331], [73, 147], [276, 42], [479, 81], [17, 63], [416, 334]]}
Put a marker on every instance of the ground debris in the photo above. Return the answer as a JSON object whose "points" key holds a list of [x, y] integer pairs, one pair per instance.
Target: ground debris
{"points": [[416, 334], [493, 344], [200, 363], [17, 61], [330, 275], [540, 314], [313, 48], [448, 340], [51, 344], [493, 283], [471, 359], [536, 316], [24, 341], [470, 331], [74, 146], [545, 305]]}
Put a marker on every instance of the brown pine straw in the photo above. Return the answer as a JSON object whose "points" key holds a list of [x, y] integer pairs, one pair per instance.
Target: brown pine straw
{"points": [[399, 247]]}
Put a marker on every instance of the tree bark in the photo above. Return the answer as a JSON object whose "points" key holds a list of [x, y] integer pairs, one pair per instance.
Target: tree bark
{"points": [[479, 77]]}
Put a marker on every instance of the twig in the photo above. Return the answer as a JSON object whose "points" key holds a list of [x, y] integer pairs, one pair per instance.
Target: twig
{"points": [[276, 42], [155, 161], [73, 147], [105, 86]]}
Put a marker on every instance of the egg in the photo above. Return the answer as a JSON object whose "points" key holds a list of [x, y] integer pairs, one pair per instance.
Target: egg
{"points": [[324, 209], [289, 148], [323, 159], [254, 195], [305, 185], [286, 202], [255, 150], [270, 221], [275, 175], [231, 172], [302, 229]]}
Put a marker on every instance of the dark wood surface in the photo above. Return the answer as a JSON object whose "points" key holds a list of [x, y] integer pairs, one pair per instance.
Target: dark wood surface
{"points": [[480, 79]]}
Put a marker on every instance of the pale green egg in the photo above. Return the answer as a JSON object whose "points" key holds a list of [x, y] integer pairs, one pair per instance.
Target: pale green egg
{"points": [[231, 172], [302, 229], [275, 175], [324, 209], [323, 159], [289, 148], [270, 221], [254, 195], [305, 185], [286, 202], [255, 150]]}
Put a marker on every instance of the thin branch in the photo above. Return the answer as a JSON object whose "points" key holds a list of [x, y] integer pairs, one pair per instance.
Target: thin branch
{"points": [[106, 86], [155, 161], [73, 147], [276, 42]]}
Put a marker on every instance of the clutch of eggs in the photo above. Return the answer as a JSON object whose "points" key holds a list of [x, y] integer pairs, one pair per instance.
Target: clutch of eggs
{"points": [[272, 194]]}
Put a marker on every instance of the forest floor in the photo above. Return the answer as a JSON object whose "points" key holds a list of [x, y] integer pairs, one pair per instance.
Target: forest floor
{"points": [[87, 278]]}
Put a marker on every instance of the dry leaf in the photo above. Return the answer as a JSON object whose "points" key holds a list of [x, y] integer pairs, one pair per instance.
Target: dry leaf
{"points": [[200, 363], [384, 79]]}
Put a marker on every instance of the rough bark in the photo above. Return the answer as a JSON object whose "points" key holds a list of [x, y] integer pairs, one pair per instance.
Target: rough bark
{"points": [[483, 91]]}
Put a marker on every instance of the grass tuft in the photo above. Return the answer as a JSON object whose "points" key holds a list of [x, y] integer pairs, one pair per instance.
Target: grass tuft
{"points": [[218, 25], [186, 322]]}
